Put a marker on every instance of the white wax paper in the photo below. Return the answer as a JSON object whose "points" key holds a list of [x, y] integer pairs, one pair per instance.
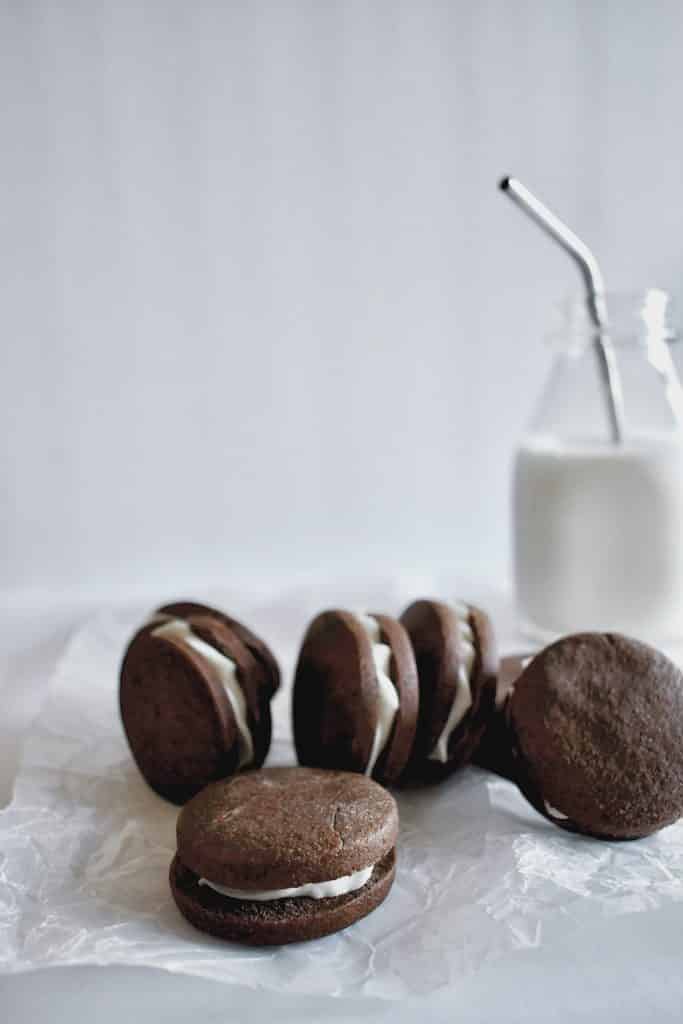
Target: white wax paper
{"points": [[85, 848]]}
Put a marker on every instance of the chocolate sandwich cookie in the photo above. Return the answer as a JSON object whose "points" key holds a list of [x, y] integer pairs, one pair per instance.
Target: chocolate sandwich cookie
{"points": [[597, 729], [494, 751], [195, 690], [355, 695], [456, 660], [284, 854]]}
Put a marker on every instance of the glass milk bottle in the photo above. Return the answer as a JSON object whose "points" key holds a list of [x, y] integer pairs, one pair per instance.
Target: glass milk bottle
{"points": [[598, 525]]}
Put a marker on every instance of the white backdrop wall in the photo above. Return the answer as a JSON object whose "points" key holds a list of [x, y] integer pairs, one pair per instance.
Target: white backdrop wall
{"points": [[263, 312]]}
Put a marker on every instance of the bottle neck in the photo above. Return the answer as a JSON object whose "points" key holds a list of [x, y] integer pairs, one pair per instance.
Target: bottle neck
{"points": [[631, 320], [574, 407]]}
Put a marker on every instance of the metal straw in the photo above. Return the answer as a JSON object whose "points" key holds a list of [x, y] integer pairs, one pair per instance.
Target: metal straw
{"points": [[595, 296]]}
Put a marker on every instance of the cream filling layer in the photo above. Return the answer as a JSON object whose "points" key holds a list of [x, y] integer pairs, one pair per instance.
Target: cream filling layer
{"points": [[223, 667], [554, 813], [314, 890], [462, 699], [387, 695]]}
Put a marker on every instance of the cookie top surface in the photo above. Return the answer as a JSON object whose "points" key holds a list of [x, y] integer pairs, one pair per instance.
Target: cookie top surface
{"points": [[355, 695], [285, 827], [597, 720]]}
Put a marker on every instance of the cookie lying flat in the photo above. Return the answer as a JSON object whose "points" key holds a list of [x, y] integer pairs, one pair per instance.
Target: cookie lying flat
{"points": [[494, 751], [355, 695], [597, 729], [456, 664], [284, 854], [195, 690]]}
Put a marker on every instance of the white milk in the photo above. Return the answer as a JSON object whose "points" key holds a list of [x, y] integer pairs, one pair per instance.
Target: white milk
{"points": [[599, 536]]}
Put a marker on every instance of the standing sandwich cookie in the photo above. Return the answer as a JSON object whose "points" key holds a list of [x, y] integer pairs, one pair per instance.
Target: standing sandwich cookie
{"points": [[195, 691], [494, 751], [456, 660], [355, 695], [284, 854], [597, 728]]}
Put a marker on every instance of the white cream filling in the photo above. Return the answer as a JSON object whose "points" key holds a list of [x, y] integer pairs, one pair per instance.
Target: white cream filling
{"points": [[315, 890], [554, 813], [462, 699], [387, 695], [224, 668]]}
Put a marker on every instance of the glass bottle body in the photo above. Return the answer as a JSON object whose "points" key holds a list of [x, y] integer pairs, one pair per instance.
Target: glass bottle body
{"points": [[598, 526]]}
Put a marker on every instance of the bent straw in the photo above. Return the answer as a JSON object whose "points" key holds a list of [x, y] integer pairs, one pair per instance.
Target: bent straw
{"points": [[595, 296]]}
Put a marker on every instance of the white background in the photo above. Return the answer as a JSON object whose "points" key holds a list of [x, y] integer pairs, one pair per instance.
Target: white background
{"points": [[263, 312]]}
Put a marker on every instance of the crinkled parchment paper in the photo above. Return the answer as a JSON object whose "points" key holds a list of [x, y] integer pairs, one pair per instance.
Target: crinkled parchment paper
{"points": [[85, 848]]}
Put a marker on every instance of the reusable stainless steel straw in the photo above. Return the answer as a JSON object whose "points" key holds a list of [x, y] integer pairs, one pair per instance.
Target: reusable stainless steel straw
{"points": [[595, 296]]}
